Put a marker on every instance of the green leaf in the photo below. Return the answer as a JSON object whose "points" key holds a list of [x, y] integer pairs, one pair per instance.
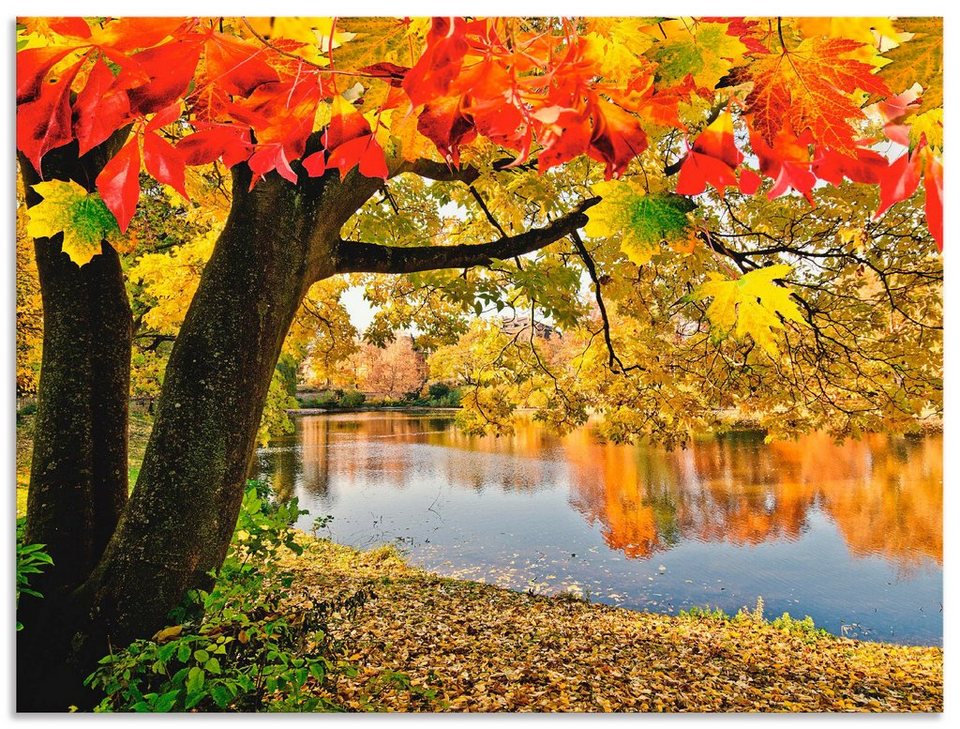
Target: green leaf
{"points": [[195, 679], [82, 217]]}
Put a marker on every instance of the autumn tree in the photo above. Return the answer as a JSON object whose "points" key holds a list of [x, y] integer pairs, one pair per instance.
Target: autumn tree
{"points": [[736, 195]]}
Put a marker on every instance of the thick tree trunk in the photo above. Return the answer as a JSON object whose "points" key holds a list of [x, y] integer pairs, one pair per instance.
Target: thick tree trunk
{"points": [[278, 240], [78, 480]]}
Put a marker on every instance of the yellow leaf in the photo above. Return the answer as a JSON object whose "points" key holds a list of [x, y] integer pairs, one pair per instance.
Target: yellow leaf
{"points": [[701, 48], [161, 636], [69, 209], [753, 302]]}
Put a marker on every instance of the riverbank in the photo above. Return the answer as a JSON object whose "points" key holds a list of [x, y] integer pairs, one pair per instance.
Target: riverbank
{"points": [[467, 646]]}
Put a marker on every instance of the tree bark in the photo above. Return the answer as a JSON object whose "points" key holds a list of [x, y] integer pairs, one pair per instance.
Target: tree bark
{"points": [[78, 479], [175, 530]]}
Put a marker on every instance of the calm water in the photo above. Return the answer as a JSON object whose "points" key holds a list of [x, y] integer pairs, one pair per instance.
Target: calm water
{"points": [[849, 534]]}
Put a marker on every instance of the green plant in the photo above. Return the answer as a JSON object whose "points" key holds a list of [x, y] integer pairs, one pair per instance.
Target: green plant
{"points": [[320, 523], [31, 560], [352, 399], [243, 646], [801, 628], [697, 612]]}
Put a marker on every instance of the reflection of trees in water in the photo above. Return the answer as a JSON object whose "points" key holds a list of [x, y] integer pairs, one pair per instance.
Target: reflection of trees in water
{"points": [[884, 494]]}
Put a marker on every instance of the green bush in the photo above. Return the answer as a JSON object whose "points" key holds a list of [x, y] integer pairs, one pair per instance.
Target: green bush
{"points": [[352, 399], [239, 647], [31, 560]]}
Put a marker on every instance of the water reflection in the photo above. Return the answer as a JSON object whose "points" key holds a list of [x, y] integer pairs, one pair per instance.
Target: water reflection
{"points": [[883, 493], [836, 525]]}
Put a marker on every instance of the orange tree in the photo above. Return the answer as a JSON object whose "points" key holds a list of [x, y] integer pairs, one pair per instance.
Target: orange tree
{"points": [[331, 138]]}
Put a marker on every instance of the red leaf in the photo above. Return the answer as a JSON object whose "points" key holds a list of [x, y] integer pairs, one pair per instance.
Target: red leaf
{"points": [[74, 27], [346, 123], [617, 137], [933, 187], [165, 116], [127, 34], [712, 160], [749, 181], [389, 72], [440, 63], [234, 66], [32, 65], [164, 161], [171, 68], [899, 181], [564, 139], [314, 164], [363, 151], [45, 123], [373, 162], [119, 183], [443, 123], [100, 108], [232, 143], [267, 158], [787, 163], [866, 166], [698, 170]]}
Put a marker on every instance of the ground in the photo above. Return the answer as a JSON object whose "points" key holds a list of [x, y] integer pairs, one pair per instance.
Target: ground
{"points": [[467, 646]]}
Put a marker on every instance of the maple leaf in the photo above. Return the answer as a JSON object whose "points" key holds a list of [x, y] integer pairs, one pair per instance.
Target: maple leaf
{"points": [[787, 163], [933, 205], [704, 50], [918, 60], [69, 209], [899, 181], [753, 302], [33, 64], [641, 221], [45, 122], [170, 68], [100, 109], [867, 166], [617, 137], [809, 88], [234, 66], [119, 183], [164, 161], [443, 122], [440, 63], [227, 141], [712, 159]]}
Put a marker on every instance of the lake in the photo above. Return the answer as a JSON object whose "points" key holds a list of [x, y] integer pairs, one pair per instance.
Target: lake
{"points": [[850, 534]]}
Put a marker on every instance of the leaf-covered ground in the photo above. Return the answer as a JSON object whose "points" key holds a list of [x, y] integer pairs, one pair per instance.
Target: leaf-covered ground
{"points": [[466, 646]]}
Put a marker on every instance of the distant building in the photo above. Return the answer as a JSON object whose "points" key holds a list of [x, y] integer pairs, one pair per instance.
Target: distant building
{"points": [[522, 323]]}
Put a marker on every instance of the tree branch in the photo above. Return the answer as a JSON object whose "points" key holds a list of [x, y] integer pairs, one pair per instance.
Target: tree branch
{"points": [[356, 257], [614, 360]]}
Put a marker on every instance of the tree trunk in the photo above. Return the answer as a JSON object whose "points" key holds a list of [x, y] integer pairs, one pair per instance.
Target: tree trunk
{"points": [[78, 479], [278, 240]]}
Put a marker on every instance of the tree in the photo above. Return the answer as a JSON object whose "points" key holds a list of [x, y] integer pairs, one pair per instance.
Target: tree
{"points": [[349, 142]]}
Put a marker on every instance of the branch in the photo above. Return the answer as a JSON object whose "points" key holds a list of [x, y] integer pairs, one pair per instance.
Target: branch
{"points": [[439, 171], [614, 358], [356, 257]]}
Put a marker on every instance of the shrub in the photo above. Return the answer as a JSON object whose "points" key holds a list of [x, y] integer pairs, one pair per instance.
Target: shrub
{"points": [[239, 647], [31, 560], [352, 399]]}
